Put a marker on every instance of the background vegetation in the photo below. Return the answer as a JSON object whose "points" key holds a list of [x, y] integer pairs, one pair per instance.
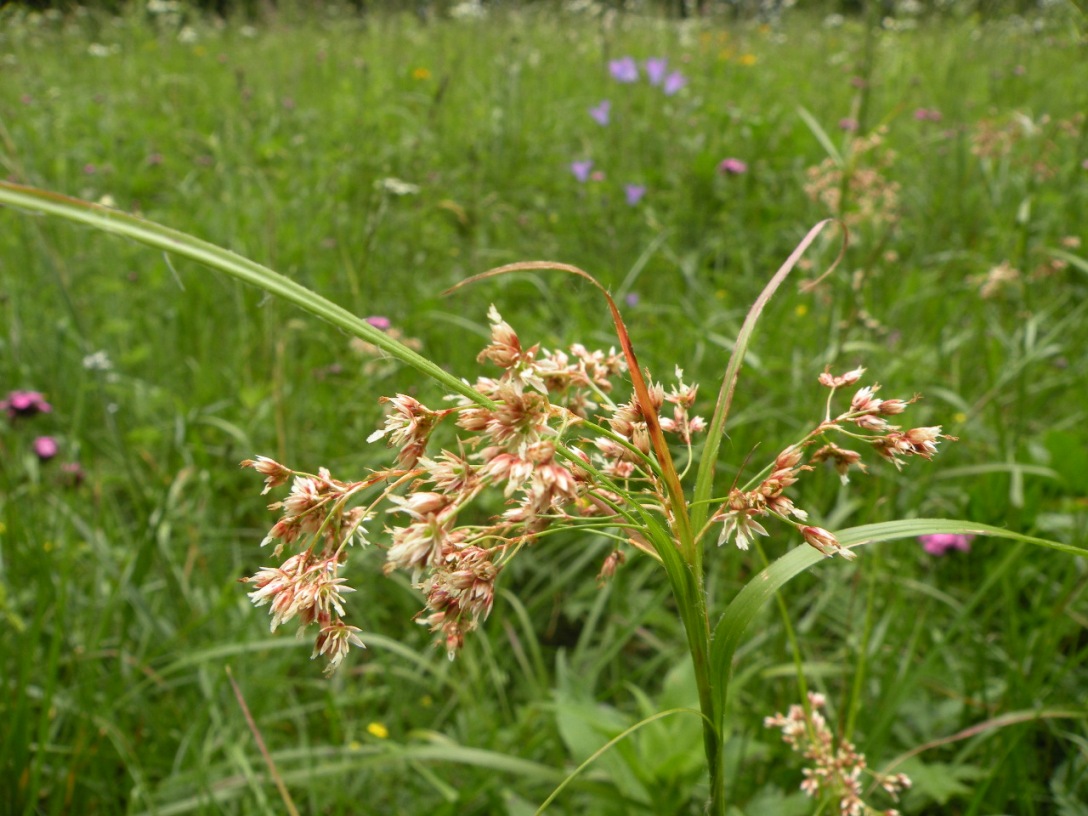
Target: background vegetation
{"points": [[380, 159]]}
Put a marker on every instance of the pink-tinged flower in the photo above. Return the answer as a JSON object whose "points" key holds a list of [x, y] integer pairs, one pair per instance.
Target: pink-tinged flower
{"points": [[864, 399], [938, 544], [45, 448], [631, 299], [581, 169], [825, 542], [673, 83], [275, 474], [634, 193], [334, 641], [738, 521], [380, 322], [600, 113], [656, 67], [838, 381], [408, 426], [926, 115], [732, 167], [25, 404], [848, 124], [597, 175], [1084, 164], [623, 69]]}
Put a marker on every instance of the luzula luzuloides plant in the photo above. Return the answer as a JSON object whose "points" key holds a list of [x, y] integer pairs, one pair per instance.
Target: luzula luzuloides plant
{"points": [[564, 454], [547, 431]]}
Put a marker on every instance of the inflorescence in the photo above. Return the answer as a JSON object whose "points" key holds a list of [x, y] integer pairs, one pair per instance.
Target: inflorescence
{"points": [[550, 439]]}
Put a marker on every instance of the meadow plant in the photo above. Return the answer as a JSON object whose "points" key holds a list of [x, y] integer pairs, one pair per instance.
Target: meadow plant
{"points": [[572, 440], [547, 432], [837, 766], [564, 454]]}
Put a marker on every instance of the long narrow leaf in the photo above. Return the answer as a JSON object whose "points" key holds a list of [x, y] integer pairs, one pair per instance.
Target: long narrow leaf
{"points": [[704, 480], [742, 610], [156, 235]]}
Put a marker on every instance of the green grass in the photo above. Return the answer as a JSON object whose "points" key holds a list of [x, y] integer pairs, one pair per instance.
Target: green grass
{"points": [[120, 596]]}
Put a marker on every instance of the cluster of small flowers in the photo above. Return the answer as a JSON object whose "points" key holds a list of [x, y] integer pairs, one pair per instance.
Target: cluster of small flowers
{"points": [[873, 199], [836, 770], [865, 421], [307, 585], [23, 405], [625, 70], [1033, 144], [528, 444]]}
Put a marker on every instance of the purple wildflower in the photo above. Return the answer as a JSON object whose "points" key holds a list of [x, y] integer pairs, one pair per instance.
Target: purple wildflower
{"points": [[732, 167], [940, 543], [25, 404], [655, 69], [45, 448], [380, 322], [634, 193], [848, 124], [600, 112], [631, 299], [581, 169], [673, 83], [623, 69]]}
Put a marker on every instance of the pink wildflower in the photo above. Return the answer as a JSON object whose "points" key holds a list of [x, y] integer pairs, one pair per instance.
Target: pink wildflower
{"points": [[732, 167], [25, 404], [938, 544], [45, 447]]}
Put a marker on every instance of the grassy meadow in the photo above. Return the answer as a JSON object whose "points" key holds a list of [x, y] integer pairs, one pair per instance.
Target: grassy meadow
{"points": [[381, 160]]}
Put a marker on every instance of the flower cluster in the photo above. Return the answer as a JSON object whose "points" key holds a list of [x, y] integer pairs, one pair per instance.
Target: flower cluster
{"points": [[865, 421], [22, 406], [25, 404], [870, 197], [625, 70], [549, 440], [308, 585], [542, 444], [940, 543], [836, 770]]}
